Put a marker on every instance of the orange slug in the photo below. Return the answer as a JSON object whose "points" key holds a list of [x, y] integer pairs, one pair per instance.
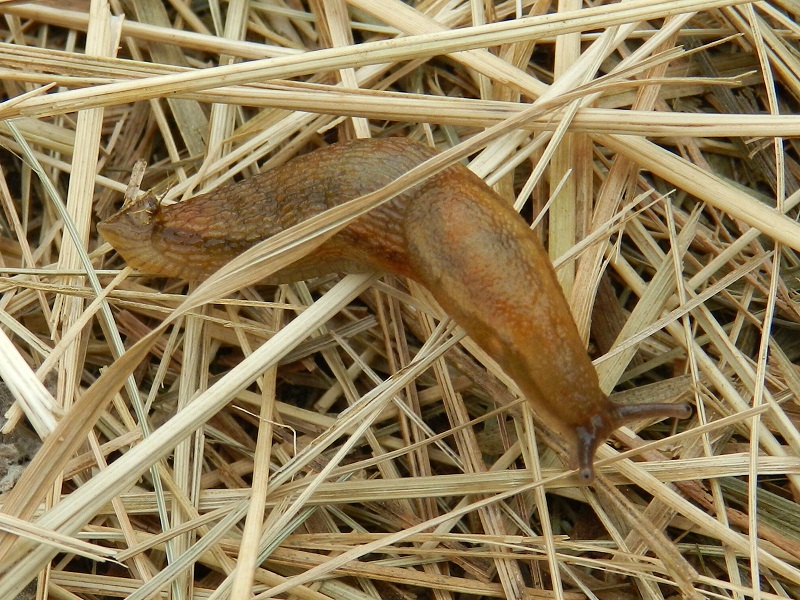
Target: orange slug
{"points": [[451, 233]]}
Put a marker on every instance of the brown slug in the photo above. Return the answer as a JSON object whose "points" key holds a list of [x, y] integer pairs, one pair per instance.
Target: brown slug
{"points": [[452, 233]]}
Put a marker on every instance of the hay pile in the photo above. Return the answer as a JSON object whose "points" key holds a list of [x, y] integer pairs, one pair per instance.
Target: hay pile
{"points": [[336, 438]]}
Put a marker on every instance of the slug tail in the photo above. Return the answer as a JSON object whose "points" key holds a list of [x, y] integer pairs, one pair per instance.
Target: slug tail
{"points": [[130, 231]]}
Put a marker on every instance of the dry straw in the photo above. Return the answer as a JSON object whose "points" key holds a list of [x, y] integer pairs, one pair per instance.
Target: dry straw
{"points": [[341, 438]]}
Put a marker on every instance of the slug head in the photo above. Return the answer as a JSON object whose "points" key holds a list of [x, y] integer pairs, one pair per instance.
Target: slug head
{"points": [[599, 426]]}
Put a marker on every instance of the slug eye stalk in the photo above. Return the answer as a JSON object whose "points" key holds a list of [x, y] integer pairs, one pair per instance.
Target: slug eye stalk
{"points": [[600, 428]]}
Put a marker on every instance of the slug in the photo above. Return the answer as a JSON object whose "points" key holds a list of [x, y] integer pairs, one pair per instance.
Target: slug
{"points": [[452, 233]]}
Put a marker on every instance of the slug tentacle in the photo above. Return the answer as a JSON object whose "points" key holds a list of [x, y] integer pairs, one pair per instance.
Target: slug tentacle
{"points": [[452, 233], [600, 426]]}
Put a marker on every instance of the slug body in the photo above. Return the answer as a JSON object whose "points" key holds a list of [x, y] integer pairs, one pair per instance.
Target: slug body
{"points": [[452, 233]]}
